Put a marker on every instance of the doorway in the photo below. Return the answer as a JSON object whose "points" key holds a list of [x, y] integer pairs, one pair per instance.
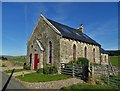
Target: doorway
{"points": [[35, 61]]}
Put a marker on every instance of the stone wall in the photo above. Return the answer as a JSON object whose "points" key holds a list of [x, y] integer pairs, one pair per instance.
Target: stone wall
{"points": [[105, 70], [44, 33], [51, 84], [66, 50]]}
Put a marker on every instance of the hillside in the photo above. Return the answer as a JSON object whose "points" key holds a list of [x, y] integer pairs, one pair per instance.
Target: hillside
{"points": [[113, 52], [18, 59], [114, 60]]}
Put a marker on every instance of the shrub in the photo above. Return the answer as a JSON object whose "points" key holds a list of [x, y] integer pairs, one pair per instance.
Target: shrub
{"points": [[50, 70], [40, 70], [82, 61], [53, 69], [46, 70], [79, 61]]}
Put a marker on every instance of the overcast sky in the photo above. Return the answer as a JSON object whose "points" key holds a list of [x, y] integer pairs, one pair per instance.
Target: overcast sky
{"points": [[18, 20]]}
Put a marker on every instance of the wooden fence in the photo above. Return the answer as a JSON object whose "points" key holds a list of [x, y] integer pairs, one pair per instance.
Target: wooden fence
{"points": [[74, 71]]}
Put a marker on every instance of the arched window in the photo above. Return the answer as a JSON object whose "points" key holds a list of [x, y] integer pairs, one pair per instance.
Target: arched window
{"points": [[85, 52], [30, 59], [50, 52], [101, 58], [105, 58], [74, 52], [94, 55]]}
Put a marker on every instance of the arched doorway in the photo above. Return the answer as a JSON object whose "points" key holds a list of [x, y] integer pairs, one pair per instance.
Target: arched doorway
{"points": [[30, 59], [85, 52], [74, 52]]}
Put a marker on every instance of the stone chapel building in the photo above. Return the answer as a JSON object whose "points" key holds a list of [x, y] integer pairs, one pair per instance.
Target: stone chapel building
{"points": [[52, 43]]}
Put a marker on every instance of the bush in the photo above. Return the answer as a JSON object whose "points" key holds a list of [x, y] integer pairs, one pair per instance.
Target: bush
{"points": [[46, 70], [50, 70], [82, 61], [53, 70], [79, 61], [40, 70]]}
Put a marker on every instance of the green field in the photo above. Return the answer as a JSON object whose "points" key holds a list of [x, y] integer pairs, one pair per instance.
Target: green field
{"points": [[18, 59], [114, 60], [37, 77], [88, 87]]}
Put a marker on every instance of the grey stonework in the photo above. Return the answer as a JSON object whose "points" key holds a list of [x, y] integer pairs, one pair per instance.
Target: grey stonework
{"points": [[51, 84], [44, 33], [66, 50], [62, 48], [104, 60]]}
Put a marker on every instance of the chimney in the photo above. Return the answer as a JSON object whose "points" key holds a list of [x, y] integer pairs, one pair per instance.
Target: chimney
{"points": [[81, 28]]}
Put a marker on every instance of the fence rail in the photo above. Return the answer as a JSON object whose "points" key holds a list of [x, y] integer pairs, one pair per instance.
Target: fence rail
{"points": [[73, 71]]}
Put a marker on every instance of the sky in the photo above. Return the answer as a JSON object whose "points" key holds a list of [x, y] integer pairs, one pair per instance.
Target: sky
{"points": [[19, 19]]}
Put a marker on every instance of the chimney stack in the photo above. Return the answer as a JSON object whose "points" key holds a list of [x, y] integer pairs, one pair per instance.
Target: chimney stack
{"points": [[81, 28]]}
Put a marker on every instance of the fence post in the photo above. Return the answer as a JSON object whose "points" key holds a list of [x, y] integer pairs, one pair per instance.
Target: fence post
{"points": [[73, 71]]}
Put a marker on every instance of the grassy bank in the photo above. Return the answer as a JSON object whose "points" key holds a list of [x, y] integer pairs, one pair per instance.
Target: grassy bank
{"points": [[88, 87], [16, 70]]}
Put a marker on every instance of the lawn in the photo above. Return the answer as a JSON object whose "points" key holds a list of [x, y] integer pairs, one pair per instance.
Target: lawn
{"points": [[18, 59], [114, 60], [88, 87], [16, 70], [37, 77]]}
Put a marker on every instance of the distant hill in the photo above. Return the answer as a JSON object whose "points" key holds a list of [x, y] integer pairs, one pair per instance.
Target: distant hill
{"points": [[6, 56], [113, 52]]}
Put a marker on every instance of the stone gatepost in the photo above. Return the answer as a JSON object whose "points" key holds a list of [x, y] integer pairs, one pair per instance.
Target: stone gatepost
{"points": [[91, 78], [89, 74]]}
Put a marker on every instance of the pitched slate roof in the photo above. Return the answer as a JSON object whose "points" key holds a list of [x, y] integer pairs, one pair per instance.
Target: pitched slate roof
{"points": [[72, 33], [103, 51]]}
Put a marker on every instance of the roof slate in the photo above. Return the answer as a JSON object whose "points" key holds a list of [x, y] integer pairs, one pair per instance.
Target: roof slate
{"points": [[103, 51], [71, 33]]}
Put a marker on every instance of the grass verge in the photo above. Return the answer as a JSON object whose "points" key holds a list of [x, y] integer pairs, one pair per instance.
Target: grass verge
{"points": [[88, 87], [16, 70], [37, 77]]}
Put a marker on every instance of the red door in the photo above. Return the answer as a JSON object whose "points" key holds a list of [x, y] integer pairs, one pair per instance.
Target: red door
{"points": [[35, 61]]}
